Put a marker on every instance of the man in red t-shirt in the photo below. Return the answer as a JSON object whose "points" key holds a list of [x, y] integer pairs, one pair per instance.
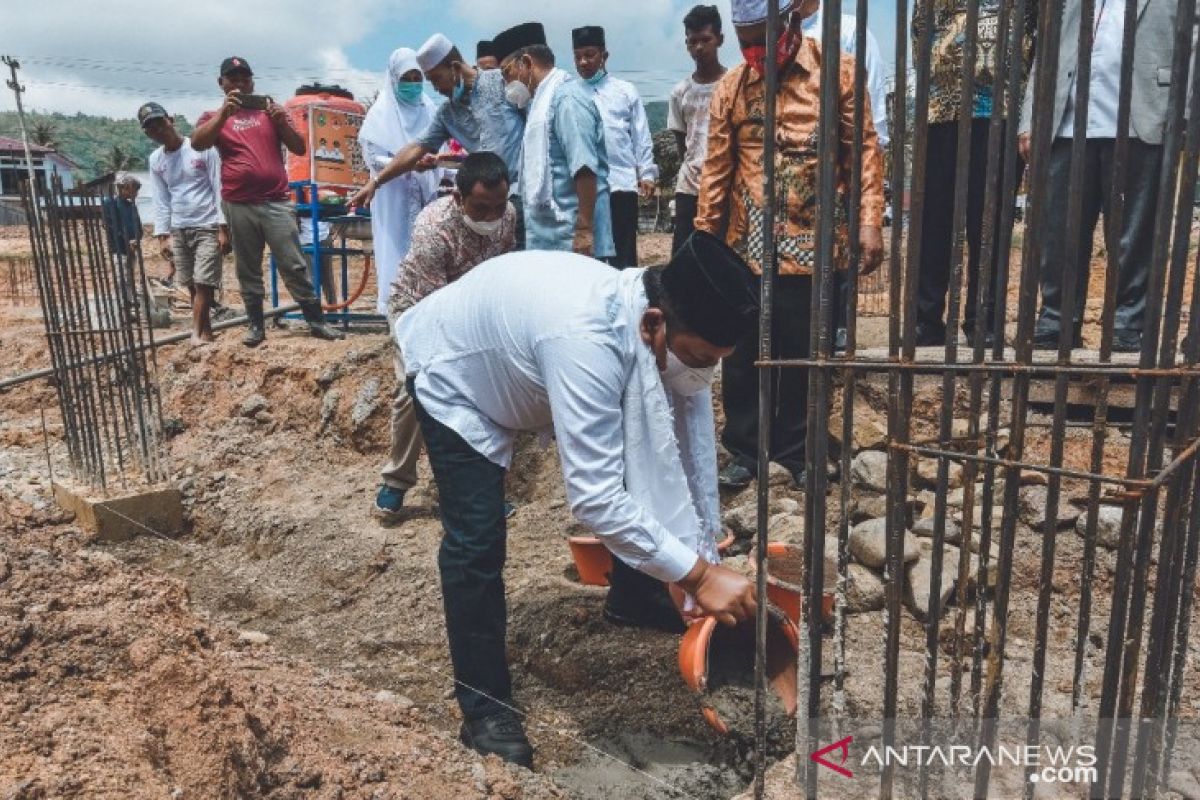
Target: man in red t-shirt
{"points": [[254, 194]]}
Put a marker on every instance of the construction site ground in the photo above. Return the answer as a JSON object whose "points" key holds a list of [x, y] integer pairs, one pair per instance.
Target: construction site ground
{"points": [[288, 644]]}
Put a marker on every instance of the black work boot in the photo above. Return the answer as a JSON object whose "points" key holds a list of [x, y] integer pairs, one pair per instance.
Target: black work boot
{"points": [[501, 734], [316, 321], [256, 329], [640, 601]]}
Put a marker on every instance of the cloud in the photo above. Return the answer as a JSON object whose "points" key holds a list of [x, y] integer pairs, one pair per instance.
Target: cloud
{"points": [[105, 60]]}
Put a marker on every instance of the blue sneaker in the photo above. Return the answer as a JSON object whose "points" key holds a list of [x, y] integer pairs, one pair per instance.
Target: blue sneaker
{"points": [[389, 501]]}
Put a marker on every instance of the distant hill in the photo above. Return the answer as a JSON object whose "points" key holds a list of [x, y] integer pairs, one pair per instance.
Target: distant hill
{"points": [[88, 140]]}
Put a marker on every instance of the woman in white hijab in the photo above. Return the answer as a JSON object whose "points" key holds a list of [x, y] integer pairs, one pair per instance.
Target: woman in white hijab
{"points": [[398, 116]]}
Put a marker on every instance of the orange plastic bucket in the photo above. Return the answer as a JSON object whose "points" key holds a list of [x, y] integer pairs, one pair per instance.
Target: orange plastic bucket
{"points": [[783, 650], [593, 562]]}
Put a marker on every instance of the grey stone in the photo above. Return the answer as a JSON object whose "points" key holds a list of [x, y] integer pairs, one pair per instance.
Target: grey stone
{"points": [[391, 698], [742, 519], [924, 529], [868, 544], [1108, 526], [253, 637], [365, 402], [1185, 784], [252, 405], [927, 471], [864, 590], [867, 506], [1035, 501], [786, 528], [778, 475], [917, 589], [977, 516], [784, 505], [869, 470]]}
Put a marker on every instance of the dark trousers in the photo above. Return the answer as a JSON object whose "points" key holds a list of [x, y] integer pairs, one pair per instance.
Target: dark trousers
{"points": [[624, 228], [1137, 229], [937, 233], [739, 381], [471, 562], [685, 219]]}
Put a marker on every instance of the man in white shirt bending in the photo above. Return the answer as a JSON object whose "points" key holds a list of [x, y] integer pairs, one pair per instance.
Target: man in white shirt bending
{"points": [[187, 208], [616, 365], [631, 167]]}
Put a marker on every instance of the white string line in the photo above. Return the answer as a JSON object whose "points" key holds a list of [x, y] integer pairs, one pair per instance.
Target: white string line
{"points": [[411, 660]]}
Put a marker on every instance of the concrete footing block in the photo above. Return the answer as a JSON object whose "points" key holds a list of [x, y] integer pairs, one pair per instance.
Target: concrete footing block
{"points": [[118, 517]]}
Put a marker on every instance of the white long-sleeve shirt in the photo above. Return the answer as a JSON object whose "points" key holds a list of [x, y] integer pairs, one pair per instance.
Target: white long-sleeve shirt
{"points": [[626, 134], [539, 341], [187, 188], [876, 80]]}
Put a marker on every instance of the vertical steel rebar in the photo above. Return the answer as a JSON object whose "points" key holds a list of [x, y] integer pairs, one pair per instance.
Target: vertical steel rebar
{"points": [[765, 404]]}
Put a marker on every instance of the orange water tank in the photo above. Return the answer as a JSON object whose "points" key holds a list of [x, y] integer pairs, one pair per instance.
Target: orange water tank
{"points": [[328, 117]]}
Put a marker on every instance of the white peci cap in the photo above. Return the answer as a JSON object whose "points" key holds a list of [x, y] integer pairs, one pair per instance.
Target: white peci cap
{"points": [[433, 52]]}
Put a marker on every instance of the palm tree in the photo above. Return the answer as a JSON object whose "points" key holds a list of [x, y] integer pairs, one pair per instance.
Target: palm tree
{"points": [[45, 133], [117, 160]]}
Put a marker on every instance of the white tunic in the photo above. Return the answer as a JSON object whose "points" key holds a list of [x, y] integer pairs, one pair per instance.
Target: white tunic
{"points": [[390, 126], [547, 342], [626, 134]]}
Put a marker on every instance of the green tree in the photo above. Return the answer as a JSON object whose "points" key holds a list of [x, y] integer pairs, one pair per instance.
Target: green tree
{"points": [[118, 159], [45, 133]]}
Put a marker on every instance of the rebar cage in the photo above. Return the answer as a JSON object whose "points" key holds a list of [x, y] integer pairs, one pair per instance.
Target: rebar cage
{"points": [[96, 310], [998, 427]]}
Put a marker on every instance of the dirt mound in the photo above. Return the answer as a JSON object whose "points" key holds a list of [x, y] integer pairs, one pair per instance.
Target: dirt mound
{"points": [[111, 686]]}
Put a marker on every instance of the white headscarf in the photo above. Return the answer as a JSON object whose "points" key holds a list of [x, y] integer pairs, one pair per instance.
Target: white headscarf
{"points": [[389, 127], [391, 124]]}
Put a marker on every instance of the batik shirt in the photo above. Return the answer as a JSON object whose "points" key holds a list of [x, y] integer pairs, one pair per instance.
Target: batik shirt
{"points": [[731, 185], [949, 41], [443, 249]]}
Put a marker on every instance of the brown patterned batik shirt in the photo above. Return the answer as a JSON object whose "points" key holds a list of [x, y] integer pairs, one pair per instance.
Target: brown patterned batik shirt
{"points": [[731, 185], [444, 249], [946, 62]]}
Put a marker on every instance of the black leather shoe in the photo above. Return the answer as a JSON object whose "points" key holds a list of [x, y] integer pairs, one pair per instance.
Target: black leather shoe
{"points": [[735, 477], [1126, 341], [1048, 340], [501, 734], [637, 600]]}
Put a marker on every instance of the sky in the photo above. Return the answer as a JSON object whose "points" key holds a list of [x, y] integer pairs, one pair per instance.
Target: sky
{"points": [[109, 58]]}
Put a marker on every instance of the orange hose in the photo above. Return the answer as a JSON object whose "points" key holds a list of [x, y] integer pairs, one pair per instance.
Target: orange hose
{"points": [[362, 284]]}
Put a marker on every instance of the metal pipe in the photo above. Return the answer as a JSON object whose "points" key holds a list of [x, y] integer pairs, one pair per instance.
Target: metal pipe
{"points": [[175, 338]]}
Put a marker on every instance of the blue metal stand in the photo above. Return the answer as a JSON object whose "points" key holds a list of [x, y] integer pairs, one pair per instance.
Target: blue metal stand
{"points": [[309, 207]]}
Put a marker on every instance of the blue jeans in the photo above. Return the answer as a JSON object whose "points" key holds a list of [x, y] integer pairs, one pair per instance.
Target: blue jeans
{"points": [[471, 562]]}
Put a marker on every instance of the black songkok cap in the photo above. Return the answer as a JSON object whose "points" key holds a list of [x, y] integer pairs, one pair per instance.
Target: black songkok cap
{"points": [[516, 38], [484, 48], [588, 36], [712, 290]]}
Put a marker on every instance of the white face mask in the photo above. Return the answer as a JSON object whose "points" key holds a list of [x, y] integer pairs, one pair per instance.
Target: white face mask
{"points": [[685, 380], [518, 94], [483, 228]]}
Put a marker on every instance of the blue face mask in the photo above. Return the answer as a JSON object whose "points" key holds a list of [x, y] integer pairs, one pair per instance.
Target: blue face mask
{"points": [[599, 76], [409, 92]]}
